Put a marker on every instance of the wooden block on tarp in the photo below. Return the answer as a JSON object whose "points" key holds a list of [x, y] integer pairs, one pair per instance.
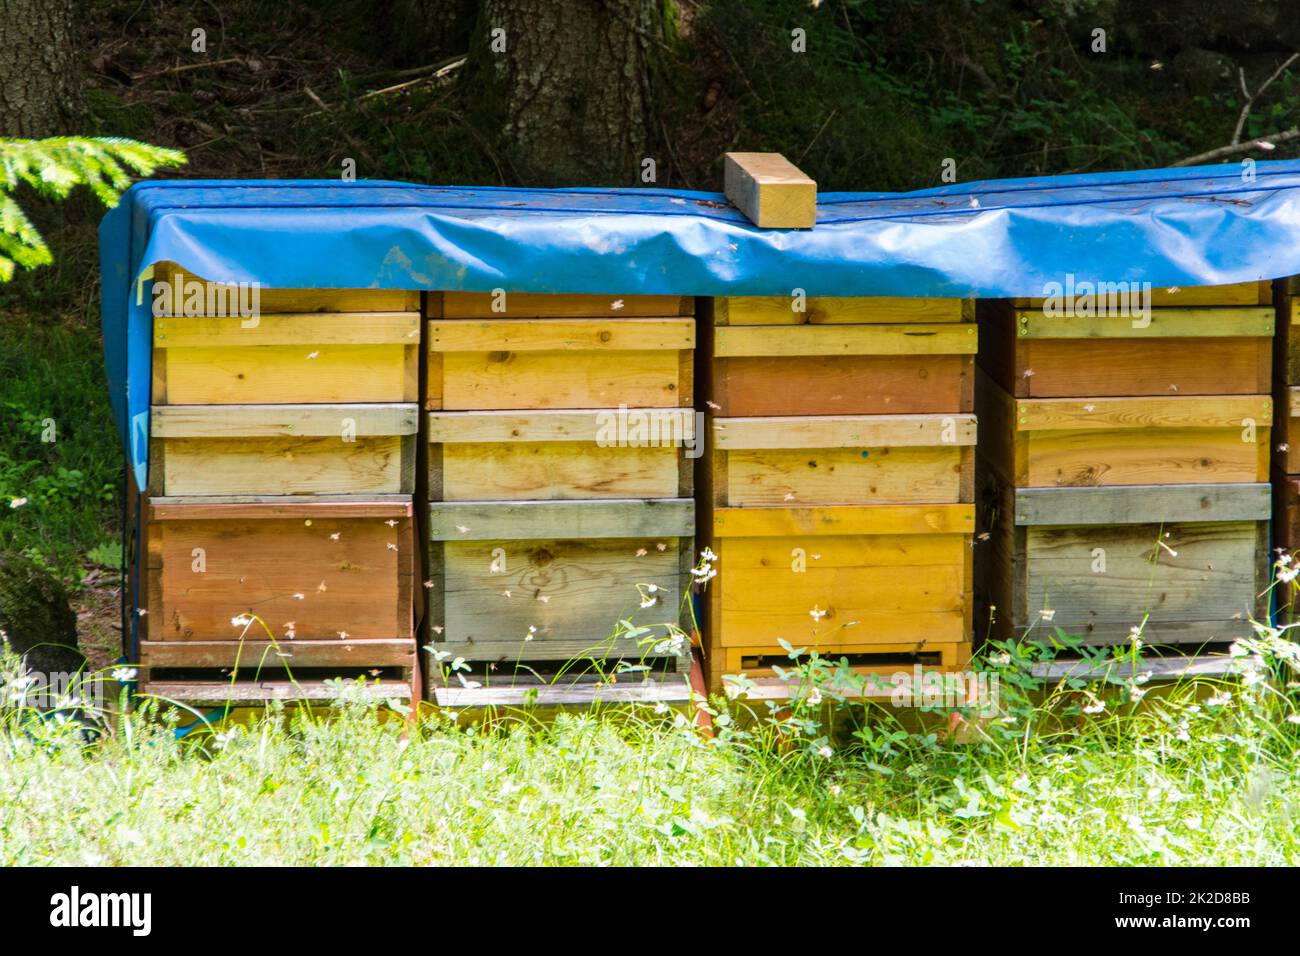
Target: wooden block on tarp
{"points": [[770, 190]]}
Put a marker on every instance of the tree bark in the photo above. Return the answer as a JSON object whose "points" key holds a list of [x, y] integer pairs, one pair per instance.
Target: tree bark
{"points": [[39, 88], [572, 86]]}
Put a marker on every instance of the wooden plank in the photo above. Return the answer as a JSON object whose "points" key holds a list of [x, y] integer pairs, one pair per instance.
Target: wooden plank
{"points": [[1240, 293], [562, 425], [770, 190], [276, 374], [313, 300], [489, 381], [529, 471], [1189, 411], [348, 328], [842, 385], [629, 690], [1142, 504], [841, 520], [550, 335], [282, 466], [843, 431], [318, 578], [529, 305], [848, 310], [916, 339], [296, 421], [278, 506], [253, 692], [1068, 368], [1141, 456], [251, 654], [558, 599], [523, 520], [845, 476], [1178, 667], [1196, 580], [1162, 323]]}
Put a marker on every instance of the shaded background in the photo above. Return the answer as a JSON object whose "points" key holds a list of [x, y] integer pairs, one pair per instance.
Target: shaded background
{"points": [[884, 92]]}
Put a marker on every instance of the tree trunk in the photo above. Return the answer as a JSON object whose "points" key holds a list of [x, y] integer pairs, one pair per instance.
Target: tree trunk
{"points": [[572, 85], [39, 88]]}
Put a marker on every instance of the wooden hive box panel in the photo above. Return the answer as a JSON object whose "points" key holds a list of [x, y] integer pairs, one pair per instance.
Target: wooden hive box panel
{"points": [[1286, 381], [877, 580], [283, 449], [1191, 561], [1082, 442], [560, 454], [338, 570], [303, 346], [1238, 293], [552, 580], [1205, 350], [559, 363], [840, 356], [843, 460]]}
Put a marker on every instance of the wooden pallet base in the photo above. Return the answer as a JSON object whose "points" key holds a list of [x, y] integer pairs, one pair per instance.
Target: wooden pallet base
{"points": [[1160, 669], [671, 689], [216, 692]]}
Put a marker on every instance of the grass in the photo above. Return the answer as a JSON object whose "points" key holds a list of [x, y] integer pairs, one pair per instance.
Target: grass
{"points": [[1072, 774]]}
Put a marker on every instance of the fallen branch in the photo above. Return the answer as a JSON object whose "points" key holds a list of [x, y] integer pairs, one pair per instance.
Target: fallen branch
{"points": [[1261, 142]]}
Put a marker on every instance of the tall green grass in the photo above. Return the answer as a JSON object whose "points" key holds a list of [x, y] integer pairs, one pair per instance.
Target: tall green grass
{"points": [[1194, 774]]}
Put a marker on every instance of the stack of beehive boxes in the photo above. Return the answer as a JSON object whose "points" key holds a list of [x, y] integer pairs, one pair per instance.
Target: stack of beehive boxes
{"points": [[1123, 465], [561, 514], [279, 527], [1286, 437], [837, 494]]}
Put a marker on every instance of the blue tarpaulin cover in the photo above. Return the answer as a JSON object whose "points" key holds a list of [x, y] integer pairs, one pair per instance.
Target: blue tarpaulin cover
{"points": [[1171, 227]]}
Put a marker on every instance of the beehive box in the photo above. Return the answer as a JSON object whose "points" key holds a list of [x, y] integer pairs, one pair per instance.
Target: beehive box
{"points": [[558, 431], [332, 578], [1101, 441], [855, 356], [1030, 353], [887, 586], [1187, 564], [839, 482], [283, 447], [522, 587]]}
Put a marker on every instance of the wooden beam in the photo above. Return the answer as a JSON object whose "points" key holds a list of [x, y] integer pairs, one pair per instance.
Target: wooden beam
{"points": [[550, 520], [280, 421], [844, 431], [839, 310], [250, 655], [306, 329], [549, 335], [953, 338], [1142, 504], [770, 190], [1185, 411], [1164, 323], [227, 507], [843, 520], [562, 425]]}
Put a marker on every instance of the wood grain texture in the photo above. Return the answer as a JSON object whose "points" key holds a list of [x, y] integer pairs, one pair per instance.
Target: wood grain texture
{"points": [[1240, 293], [560, 425], [533, 520], [283, 421], [287, 374], [841, 520], [1060, 368], [521, 471], [840, 431], [733, 341], [843, 476], [842, 385], [1194, 323], [1142, 504], [317, 300], [1110, 414], [1204, 575], [561, 380], [851, 310], [356, 328], [282, 466], [552, 335], [1149, 456], [770, 190], [211, 570], [277, 506], [480, 305]]}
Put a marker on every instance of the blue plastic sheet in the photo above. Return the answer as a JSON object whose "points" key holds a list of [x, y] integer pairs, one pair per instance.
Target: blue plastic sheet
{"points": [[1173, 227]]}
